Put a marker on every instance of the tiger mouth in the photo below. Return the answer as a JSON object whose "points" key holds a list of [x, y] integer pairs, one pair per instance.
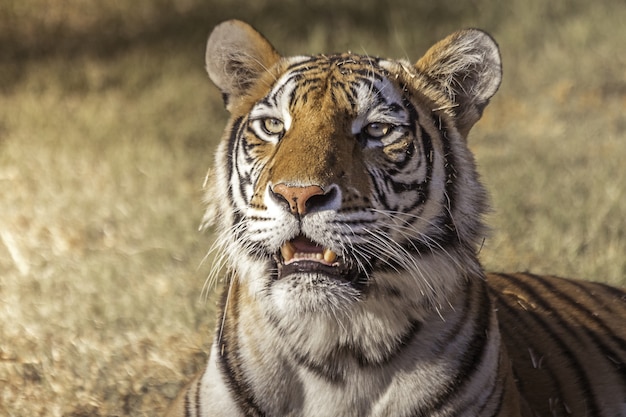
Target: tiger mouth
{"points": [[302, 255], [303, 249]]}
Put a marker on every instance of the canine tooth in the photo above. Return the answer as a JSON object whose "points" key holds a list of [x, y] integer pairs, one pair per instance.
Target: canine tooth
{"points": [[329, 256], [287, 250]]}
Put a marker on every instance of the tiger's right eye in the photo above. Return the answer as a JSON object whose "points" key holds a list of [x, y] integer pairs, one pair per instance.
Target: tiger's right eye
{"points": [[273, 126], [377, 130]]}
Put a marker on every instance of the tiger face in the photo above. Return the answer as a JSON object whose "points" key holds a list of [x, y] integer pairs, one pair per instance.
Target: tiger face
{"points": [[347, 178]]}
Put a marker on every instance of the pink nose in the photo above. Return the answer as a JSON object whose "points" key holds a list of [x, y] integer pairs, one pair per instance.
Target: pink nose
{"points": [[298, 198]]}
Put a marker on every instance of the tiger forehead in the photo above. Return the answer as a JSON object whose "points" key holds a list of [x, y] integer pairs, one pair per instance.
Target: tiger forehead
{"points": [[337, 72], [338, 65], [347, 82]]}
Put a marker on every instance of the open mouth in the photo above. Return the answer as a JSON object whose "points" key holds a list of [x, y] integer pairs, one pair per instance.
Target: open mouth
{"points": [[302, 249], [302, 255]]}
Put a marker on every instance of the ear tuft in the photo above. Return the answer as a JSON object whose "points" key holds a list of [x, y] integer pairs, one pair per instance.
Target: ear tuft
{"points": [[468, 67], [236, 56]]}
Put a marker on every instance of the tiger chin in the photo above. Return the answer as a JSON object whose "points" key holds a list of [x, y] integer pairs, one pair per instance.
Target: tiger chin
{"points": [[349, 215]]}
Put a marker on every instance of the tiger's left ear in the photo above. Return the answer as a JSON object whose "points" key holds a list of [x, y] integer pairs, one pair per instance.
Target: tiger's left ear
{"points": [[467, 65], [236, 56]]}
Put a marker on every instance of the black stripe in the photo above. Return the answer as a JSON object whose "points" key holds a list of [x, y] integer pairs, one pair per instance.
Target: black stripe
{"points": [[380, 178], [425, 140], [378, 191], [497, 385], [576, 306], [449, 336], [403, 187], [356, 222], [405, 339], [472, 357], [272, 99], [449, 161], [416, 244], [232, 139], [230, 165], [228, 358], [333, 367], [517, 338], [575, 365], [613, 292], [443, 234], [606, 331], [198, 407], [187, 403], [369, 73], [304, 64]]}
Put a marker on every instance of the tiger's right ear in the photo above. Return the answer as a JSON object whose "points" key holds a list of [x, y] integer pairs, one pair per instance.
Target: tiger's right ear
{"points": [[236, 56], [468, 68]]}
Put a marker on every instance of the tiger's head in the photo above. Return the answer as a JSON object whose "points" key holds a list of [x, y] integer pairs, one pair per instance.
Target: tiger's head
{"points": [[345, 180]]}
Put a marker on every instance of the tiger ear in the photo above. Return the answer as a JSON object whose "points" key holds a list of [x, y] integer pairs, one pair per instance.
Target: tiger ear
{"points": [[236, 56], [467, 65]]}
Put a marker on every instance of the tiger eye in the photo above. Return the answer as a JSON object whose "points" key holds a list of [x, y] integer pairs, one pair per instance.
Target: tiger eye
{"points": [[273, 126], [377, 130]]}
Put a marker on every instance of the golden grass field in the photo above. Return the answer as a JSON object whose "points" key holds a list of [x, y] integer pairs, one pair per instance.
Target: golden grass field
{"points": [[108, 124]]}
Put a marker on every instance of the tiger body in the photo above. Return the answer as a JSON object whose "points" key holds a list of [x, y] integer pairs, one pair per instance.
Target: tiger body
{"points": [[349, 217]]}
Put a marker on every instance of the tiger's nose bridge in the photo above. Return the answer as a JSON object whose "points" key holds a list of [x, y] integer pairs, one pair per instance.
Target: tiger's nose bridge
{"points": [[301, 200]]}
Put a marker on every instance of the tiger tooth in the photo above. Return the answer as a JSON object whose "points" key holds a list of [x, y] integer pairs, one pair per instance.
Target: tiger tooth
{"points": [[329, 256], [287, 250]]}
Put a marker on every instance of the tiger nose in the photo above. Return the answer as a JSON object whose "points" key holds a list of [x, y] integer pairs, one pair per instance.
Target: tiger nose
{"points": [[300, 199]]}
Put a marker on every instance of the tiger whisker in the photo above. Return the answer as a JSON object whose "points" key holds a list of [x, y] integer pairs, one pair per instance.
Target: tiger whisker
{"points": [[424, 238], [409, 263]]}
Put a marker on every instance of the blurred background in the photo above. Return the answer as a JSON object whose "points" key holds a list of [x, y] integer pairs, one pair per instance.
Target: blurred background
{"points": [[108, 125]]}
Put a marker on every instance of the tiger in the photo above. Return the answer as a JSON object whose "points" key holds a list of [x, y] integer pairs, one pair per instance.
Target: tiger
{"points": [[349, 215]]}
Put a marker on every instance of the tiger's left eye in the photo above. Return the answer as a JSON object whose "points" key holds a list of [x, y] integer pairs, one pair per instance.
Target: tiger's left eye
{"points": [[273, 126], [377, 130]]}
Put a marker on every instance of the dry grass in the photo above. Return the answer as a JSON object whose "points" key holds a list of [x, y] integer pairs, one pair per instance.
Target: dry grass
{"points": [[107, 125]]}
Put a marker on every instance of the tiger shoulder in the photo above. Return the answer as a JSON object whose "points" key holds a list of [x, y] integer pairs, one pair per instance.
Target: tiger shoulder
{"points": [[349, 215]]}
